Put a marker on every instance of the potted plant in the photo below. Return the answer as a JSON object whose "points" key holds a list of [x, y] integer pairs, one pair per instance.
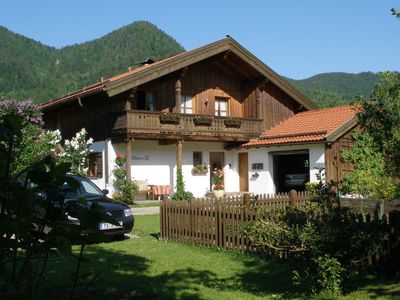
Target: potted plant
{"points": [[171, 118], [232, 122], [120, 160], [202, 120], [200, 169], [218, 182]]}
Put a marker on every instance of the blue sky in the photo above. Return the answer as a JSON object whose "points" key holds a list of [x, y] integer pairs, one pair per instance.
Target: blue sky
{"points": [[297, 38]]}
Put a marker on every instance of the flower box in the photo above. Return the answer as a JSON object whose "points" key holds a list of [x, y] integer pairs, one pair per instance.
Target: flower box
{"points": [[199, 173], [202, 120], [232, 122], [170, 118], [200, 170]]}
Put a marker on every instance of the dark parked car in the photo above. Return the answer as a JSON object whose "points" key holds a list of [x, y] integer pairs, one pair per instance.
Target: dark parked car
{"points": [[297, 180], [118, 210]]}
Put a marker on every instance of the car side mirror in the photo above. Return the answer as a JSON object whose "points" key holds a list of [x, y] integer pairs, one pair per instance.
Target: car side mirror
{"points": [[105, 192]]}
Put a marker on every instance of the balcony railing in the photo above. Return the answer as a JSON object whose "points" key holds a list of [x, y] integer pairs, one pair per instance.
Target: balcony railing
{"points": [[139, 123]]}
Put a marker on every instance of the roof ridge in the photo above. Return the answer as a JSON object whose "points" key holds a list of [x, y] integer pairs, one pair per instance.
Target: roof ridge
{"points": [[319, 132]]}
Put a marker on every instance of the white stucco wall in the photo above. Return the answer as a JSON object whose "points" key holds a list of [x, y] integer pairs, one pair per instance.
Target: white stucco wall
{"points": [[157, 164], [107, 165], [264, 184]]}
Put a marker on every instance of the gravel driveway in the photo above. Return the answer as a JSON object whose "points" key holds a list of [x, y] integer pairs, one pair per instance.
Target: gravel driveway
{"points": [[152, 210]]}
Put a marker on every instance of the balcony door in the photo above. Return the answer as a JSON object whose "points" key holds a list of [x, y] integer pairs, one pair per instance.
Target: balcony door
{"points": [[145, 101]]}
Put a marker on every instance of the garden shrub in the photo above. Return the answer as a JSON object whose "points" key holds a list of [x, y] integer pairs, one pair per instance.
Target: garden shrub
{"points": [[329, 243], [181, 194], [126, 189]]}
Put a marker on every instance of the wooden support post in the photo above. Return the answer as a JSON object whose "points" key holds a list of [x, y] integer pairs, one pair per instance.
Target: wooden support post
{"points": [[293, 198], [128, 158], [179, 154], [178, 90], [129, 105], [258, 103]]}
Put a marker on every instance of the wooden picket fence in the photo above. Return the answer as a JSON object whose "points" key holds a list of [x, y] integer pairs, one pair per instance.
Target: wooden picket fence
{"points": [[217, 222]]}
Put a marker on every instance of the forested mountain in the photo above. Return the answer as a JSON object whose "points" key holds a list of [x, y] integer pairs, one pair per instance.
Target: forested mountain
{"points": [[31, 70], [331, 89]]}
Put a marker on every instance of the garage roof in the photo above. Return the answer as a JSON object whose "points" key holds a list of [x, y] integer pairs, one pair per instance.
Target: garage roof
{"points": [[309, 126]]}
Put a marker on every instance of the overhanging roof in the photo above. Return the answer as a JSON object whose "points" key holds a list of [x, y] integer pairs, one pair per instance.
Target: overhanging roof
{"points": [[133, 78]]}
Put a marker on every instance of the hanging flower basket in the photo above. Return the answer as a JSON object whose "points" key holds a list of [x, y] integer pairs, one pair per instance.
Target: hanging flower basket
{"points": [[202, 120], [170, 118]]}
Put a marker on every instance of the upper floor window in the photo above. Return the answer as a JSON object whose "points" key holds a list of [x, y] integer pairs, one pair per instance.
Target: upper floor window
{"points": [[221, 107], [186, 104]]}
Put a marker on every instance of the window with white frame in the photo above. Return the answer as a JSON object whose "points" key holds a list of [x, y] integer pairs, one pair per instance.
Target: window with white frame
{"points": [[186, 104], [221, 107]]}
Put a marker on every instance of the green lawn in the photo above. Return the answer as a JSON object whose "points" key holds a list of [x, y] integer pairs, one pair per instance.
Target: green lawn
{"points": [[147, 268]]}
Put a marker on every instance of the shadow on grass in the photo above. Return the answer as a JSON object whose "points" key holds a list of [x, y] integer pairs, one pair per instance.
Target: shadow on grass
{"points": [[377, 287], [263, 277], [121, 276]]}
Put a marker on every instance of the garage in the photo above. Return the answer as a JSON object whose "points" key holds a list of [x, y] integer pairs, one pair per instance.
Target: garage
{"points": [[291, 170]]}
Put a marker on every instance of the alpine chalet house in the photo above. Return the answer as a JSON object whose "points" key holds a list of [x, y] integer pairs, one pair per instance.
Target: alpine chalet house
{"points": [[197, 108]]}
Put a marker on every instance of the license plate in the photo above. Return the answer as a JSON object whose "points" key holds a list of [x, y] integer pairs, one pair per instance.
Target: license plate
{"points": [[107, 226]]}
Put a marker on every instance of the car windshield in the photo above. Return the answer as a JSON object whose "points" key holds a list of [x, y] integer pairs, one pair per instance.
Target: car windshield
{"points": [[86, 189]]}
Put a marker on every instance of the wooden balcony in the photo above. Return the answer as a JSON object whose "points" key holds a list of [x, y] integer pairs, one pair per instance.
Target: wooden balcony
{"points": [[144, 124]]}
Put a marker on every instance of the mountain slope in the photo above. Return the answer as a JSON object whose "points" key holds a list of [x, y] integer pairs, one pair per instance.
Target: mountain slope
{"points": [[29, 69], [24, 65], [330, 89]]}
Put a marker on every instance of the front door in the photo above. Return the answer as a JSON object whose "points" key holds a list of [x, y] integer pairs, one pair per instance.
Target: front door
{"points": [[244, 172], [216, 162]]}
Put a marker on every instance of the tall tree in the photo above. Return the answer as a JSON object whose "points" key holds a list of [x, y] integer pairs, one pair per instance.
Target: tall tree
{"points": [[380, 118]]}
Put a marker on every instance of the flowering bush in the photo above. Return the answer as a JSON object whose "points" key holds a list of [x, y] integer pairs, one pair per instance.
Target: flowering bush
{"points": [[218, 179], [35, 143], [76, 151], [27, 110]]}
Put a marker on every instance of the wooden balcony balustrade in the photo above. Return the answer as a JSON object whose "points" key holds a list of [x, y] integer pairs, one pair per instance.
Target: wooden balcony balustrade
{"points": [[145, 124]]}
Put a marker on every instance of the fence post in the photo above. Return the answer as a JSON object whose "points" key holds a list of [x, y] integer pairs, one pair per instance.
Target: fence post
{"points": [[292, 198], [246, 205]]}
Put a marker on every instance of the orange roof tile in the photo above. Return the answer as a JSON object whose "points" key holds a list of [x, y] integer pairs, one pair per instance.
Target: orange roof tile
{"points": [[92, 89], [309, 126]]}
